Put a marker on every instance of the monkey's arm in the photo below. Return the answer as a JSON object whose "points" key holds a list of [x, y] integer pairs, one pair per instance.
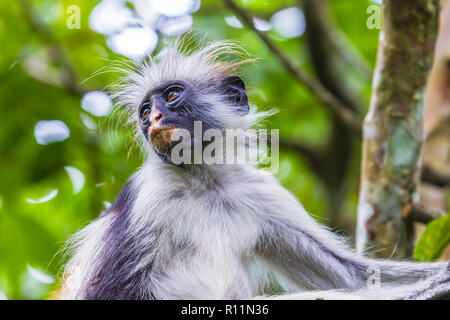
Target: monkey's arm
{"points": [[316, 259], [435, 287]]}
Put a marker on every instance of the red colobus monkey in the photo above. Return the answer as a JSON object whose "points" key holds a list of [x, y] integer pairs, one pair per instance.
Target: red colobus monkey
{"points": [[216, 231]]}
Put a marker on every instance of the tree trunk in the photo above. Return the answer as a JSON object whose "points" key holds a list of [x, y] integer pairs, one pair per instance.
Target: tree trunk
{"points": [[393, 127]]}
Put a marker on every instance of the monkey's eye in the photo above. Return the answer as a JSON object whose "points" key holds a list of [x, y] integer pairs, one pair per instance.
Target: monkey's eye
{"points": [[145, 110], [173, 94]]}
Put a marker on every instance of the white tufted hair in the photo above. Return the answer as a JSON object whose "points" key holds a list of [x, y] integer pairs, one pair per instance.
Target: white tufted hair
{"points": [[195, 61]]}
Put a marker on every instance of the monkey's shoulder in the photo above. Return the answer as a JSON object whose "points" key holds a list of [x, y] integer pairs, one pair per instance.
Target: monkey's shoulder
{"points": [[123, 201]]}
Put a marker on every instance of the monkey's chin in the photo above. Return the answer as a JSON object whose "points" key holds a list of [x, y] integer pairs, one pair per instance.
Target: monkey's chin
{"points": [[161, 138]]}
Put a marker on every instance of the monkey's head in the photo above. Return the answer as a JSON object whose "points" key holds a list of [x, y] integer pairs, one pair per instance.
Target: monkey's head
{"points": [[181, 86]]}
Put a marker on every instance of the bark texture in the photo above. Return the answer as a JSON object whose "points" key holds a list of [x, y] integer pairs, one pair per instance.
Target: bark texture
{"points": [[392, 131]]}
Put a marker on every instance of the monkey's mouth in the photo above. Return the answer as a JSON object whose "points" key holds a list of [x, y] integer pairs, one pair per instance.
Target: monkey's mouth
{"points": [[161, 137]]}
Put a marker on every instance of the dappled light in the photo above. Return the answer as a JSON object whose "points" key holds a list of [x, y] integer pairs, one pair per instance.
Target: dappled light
{"points": [[133, 34], [77, 178], [50, 131], [289, 23], [88, 121], [171, 26], [285, 170], [261, 24], [174, 8], [234, 22], [40, 276], [106, 204], [97, 103], [111, 16], [133, 42], [34, 283], [49, 196]]}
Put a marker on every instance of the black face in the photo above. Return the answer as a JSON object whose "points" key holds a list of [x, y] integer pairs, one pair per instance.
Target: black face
{"points": [[173, 100], [175, 104]]}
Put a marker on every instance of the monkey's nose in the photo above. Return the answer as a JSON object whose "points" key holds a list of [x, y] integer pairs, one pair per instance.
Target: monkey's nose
{"points": [[155, 117]]}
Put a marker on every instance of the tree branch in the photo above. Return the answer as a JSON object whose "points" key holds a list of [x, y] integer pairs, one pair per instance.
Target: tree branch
{"points": [[330, 62], [328, 43], [393, 133], [327, 98], [310, 155], [433, 177], [424, 214], [327, 54], [69, 77]]}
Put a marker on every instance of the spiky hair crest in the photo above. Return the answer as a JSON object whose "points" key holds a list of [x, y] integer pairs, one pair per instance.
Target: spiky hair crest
{"points": [[201, 63], [182, 58]]}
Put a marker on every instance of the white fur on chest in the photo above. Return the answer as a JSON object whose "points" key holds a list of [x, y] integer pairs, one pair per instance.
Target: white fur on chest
{"points": [[197, 237], [208, 231]]}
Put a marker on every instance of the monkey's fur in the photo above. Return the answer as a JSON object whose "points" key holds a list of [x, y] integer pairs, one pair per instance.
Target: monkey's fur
{"points": [[217, 231]]}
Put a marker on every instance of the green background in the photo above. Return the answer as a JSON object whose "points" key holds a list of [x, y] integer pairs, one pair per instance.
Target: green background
{"points": [[31, 235]]}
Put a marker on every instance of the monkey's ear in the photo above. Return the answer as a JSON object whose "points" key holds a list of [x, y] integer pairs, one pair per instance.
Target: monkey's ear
{"points": [[236, 94]]}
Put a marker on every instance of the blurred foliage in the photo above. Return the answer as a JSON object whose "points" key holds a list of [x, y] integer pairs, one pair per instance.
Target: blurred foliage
{"points": [[434, 240], [32, 234]]}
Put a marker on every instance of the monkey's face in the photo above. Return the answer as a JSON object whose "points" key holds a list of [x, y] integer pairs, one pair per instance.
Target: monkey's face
{"points": [[176, 105], [164, 111]]}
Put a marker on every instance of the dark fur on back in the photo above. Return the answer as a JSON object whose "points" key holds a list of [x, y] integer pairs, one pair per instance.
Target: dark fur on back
{"points": [[111, 279]]}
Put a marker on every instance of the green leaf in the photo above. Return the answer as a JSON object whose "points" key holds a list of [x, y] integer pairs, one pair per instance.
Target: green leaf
{"points": [[434, 240]]}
